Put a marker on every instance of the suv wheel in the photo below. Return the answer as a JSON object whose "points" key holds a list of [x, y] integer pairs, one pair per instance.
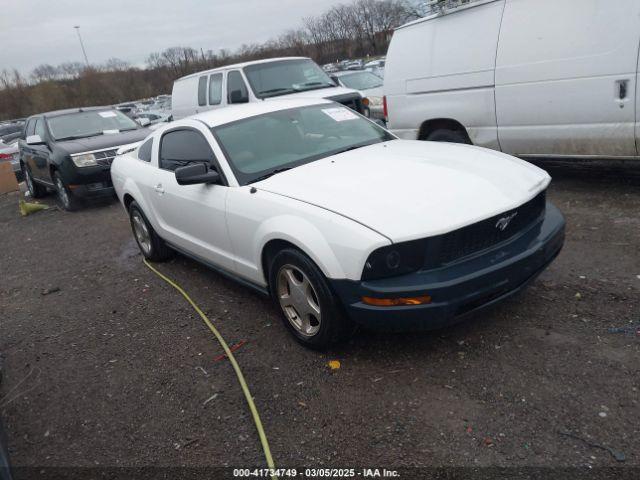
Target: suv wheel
{"points": [[308, 307], [66, 199], [36, 190], [151, 245]]}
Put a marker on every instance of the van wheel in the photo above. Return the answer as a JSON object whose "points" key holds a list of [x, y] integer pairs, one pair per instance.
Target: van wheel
{"points": [[151, 245], [448, 136], [308, 307]]}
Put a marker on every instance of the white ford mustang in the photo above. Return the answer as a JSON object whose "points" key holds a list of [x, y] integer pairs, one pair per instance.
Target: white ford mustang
{"points": [[338, 220]]}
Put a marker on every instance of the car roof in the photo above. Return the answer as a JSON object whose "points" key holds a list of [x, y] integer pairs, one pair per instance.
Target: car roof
{"points": [[232, 113], [240, 65]]}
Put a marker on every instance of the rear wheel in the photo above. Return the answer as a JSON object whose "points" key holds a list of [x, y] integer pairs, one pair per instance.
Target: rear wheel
{"points": [[308, 307], [35, 190], [151, 245], [448, 136], [66, 199]]}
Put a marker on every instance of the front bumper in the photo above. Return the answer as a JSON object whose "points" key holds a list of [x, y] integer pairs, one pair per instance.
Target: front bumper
{"points": [[459, 288], [88, 182]]}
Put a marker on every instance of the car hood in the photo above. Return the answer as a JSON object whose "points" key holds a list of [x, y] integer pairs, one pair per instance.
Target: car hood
{"points": [[102, 142], [328, 92], [408, 189]]}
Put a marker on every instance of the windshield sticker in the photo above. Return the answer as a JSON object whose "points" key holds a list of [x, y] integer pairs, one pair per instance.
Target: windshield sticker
{"points": [[107, 114], [340, 114]]}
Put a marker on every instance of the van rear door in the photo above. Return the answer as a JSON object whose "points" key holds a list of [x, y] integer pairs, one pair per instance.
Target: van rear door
{"points": [[566, 75]]}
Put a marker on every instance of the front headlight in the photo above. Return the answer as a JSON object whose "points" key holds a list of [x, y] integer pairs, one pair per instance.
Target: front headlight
{"points": [[394, 260], [85, 160], [375, 101]]}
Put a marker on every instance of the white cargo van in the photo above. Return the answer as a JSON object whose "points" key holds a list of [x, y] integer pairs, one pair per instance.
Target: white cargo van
{"points": [[528, 77], [254, 82]]}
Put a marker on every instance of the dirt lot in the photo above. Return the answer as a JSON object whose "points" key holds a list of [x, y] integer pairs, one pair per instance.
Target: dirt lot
{"points": [[114, 368]]}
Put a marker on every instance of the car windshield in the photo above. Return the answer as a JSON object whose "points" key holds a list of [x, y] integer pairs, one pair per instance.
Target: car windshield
{"points": [[266, 144], [281, 77], [89, 124], [361, 80]]}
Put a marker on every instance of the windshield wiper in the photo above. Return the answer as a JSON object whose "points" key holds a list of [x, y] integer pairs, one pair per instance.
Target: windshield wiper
{"points": [[271, 173], [276, 90], [353, 147], [77, 137], [314, 86]]}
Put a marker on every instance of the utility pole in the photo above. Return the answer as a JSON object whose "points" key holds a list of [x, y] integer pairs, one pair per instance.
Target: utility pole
{"points": [[77, 27]]}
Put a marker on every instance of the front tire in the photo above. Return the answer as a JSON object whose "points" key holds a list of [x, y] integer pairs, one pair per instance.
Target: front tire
{"points": [[308, 307], [151, 245], [66, 199]]}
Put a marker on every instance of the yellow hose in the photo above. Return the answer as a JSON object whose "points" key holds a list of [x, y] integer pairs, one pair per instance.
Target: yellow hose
{"points": [[236, 367]]}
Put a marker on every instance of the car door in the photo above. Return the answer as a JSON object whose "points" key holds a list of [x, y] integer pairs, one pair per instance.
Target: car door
{"points": [[26, 152], [40, 153], [566, 77], [191, 217]]}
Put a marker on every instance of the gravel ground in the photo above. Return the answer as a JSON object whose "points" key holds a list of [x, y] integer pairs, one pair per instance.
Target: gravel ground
{"points": [[105, 365]]}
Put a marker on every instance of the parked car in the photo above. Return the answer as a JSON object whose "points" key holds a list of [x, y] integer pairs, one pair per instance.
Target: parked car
{"points": [[254, 82], [9, 152], [527, 77], [10, 129], [370, 88], [337, 219], [70, 151], [152, 117]]}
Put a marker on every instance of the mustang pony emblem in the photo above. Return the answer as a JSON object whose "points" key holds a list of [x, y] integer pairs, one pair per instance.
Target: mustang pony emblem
{"points": [[504, 222]]}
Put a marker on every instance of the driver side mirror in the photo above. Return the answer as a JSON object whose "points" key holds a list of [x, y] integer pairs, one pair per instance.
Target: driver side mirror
{"points": [[196, 174], [238, 97], [34, 140]]}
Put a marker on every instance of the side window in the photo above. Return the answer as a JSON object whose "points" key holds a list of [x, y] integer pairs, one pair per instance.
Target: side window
{"points": [[31, 127], [144, 152], [215, 89], [236, 88], [180, 147], [40, 130], [202, 91]]}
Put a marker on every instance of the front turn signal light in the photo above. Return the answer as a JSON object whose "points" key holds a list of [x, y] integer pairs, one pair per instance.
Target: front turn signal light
{"points": [[395, 302]]}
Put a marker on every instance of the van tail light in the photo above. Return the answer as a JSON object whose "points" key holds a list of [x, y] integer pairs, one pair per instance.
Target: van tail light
{"points": [[4, 156], [384, 108]]}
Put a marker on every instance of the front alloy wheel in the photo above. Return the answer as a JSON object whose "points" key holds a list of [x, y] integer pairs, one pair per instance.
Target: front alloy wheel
{"points": [[65, 197], [299, 300], [309, 308]]}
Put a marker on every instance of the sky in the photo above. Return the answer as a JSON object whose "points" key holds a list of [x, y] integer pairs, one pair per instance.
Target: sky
{"points": [[33, 32]]}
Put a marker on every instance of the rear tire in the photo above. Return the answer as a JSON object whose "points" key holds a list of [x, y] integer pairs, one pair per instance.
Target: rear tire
{"points": [[151, 245], [35, 189], [309, 308], [66, 199], [448, 136]]}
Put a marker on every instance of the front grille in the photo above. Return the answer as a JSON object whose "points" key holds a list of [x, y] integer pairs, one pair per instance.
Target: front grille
{"points": [[105, 157], [480, 236]]}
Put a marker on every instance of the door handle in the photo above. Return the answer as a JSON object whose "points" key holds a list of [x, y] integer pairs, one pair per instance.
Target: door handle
{"points": [[158, 188], [623, 89]]}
